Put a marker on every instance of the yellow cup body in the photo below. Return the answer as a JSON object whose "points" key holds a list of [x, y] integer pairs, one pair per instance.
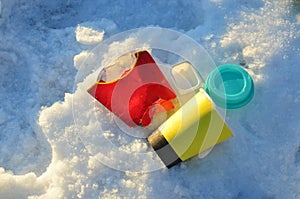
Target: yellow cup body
{"points": [[195, 127]]}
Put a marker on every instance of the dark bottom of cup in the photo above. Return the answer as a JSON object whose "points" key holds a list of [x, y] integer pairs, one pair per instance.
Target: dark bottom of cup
{"points": [[163, 149]]}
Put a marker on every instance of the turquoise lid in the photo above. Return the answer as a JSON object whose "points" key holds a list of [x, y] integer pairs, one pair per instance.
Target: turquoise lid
{"points": [[230, 86]]}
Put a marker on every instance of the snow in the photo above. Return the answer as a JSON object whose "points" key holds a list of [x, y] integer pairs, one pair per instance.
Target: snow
{"points": [[49, 135], [88, 36]]}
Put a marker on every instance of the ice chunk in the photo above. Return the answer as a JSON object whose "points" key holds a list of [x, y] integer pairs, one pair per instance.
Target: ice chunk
{"points": [[88, 36]]}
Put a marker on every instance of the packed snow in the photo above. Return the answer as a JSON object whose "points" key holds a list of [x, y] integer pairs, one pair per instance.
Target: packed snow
{"points": [[46, 62]]}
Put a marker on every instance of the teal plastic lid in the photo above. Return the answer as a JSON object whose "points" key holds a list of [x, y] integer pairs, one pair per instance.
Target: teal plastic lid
{"points": [[230, 86]]}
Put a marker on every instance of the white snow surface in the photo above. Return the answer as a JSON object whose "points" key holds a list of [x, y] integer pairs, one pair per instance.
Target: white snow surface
{"points": [[44, 43]]}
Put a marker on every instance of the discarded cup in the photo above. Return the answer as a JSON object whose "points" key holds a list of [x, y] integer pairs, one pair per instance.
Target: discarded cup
{"points": [[197, 125], [194, 128]]}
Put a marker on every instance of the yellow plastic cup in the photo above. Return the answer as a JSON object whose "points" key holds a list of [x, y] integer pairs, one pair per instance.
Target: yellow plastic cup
{"points": [[194, 128]]}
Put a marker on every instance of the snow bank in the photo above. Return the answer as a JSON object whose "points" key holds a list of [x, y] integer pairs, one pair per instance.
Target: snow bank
{"points": [[42, 145]]}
